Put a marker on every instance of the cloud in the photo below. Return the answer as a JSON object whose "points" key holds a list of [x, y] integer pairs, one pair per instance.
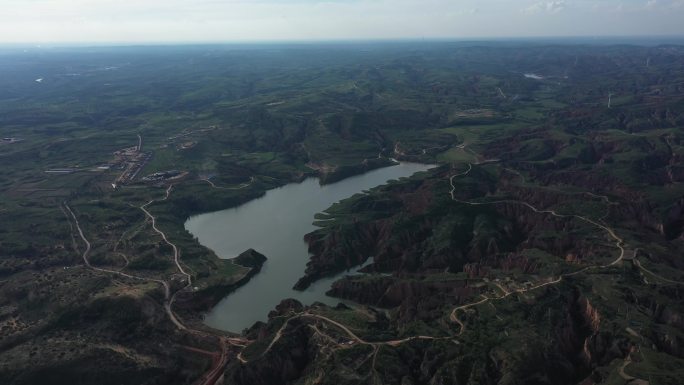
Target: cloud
{"points": [[664, 5], [551, 7], [653, 6]]}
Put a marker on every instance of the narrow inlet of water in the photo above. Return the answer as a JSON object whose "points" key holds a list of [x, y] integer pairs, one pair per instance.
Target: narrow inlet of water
{"points": [[275, 225]]}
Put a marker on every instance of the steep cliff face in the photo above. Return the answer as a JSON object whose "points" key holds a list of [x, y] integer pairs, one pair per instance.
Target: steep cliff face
{"points": [[571, 351], [508, 263], [282, 364], [669, 316], [391, 292], [673, 222], [430, 233], [288, 358], [669, 336], [365, 291], [584, 343], [333, 252], [670, 343], [432, 253], [590, 315]]}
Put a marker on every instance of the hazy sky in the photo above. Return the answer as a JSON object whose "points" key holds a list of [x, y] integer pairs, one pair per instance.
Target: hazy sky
{"points": [[244, 20]]}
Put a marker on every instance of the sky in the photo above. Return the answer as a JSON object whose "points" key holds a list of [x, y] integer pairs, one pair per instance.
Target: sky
{"points": [[89, 21]]}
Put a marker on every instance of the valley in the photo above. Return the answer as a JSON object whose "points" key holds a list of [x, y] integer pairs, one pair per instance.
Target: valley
{"points": [[199, 220]]}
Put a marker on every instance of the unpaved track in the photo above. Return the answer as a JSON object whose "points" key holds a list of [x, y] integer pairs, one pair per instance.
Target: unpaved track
{"points": [[176, 254], [660, 277], [350, 333], [631, 380], [619, 242], [239, 187], [176, 257], [221, 359], [215, 372], [453, 315], [86, 254]]}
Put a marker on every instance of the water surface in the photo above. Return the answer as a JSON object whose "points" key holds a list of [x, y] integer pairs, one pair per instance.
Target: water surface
{"points": [[275, 225]]}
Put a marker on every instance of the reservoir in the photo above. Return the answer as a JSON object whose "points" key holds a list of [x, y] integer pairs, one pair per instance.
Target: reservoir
{"points": [[275, 225]]}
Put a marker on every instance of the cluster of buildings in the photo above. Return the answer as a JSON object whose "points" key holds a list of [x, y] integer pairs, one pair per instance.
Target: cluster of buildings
{"points": [[164, 175], [132, 160]]}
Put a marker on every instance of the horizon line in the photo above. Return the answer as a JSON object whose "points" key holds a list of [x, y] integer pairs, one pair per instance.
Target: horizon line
{"points": [[123, 43]]}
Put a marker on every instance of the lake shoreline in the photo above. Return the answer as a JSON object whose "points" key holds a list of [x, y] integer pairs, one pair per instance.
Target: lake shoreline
{"points": [[250, 224]]}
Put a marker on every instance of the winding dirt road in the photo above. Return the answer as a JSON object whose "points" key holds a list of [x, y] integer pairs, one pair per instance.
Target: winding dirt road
{"points": [[619, 244], [660, 277], [453, 315], [176, 254], [350, 333], [86, 254], [631, 380], [239, 187], [221, 358]]}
